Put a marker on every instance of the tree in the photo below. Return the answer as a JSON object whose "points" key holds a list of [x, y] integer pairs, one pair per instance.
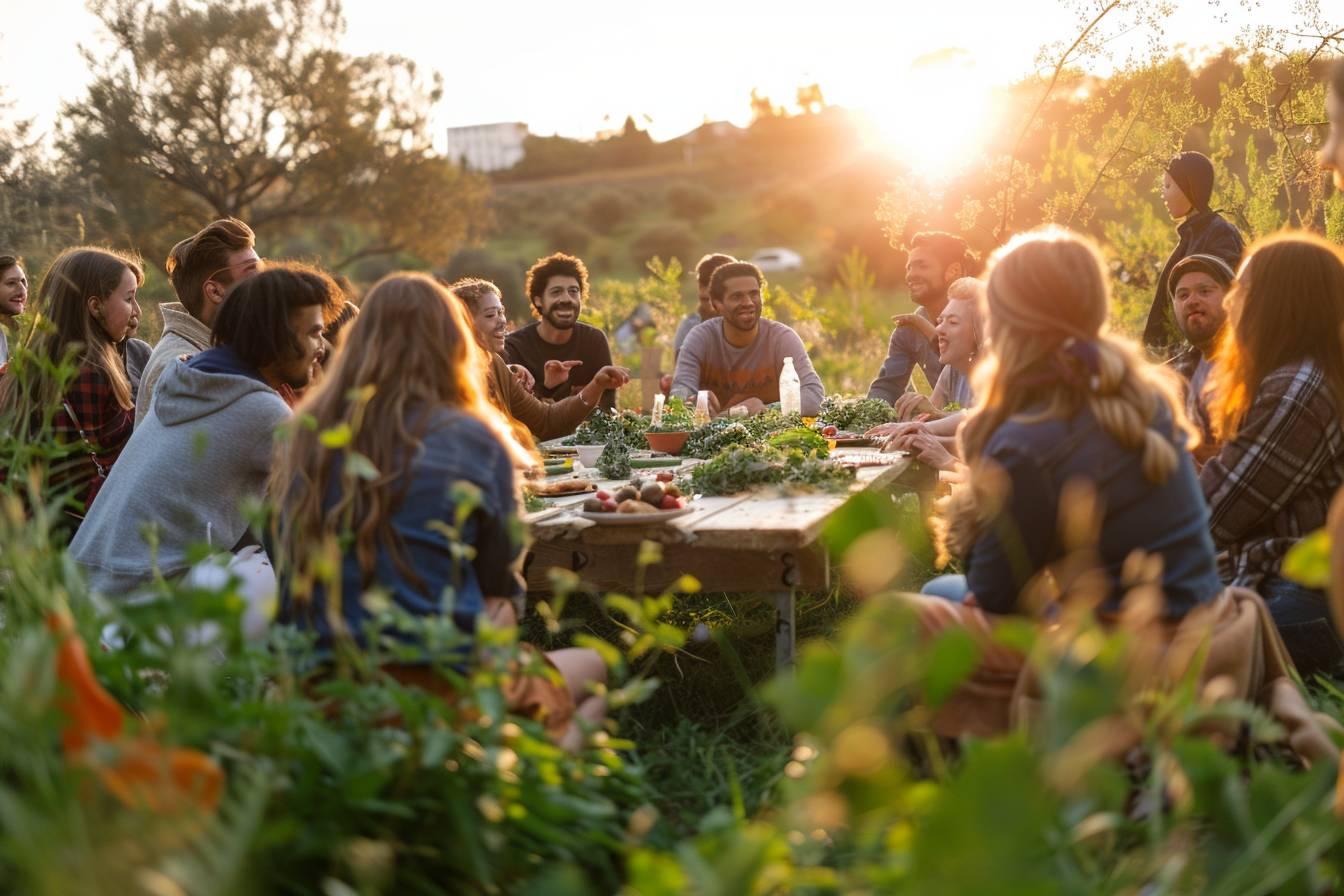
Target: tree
{"points": [[668, 240], [690, 202], [606, 211], [40, 207], [207, 108]]}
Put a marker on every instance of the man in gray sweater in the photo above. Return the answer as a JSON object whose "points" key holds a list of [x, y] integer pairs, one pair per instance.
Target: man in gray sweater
{"points": [[738, 356], [205, 448], [202, 268]]}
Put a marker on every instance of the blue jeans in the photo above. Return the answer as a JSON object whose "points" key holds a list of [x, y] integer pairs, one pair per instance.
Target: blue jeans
{"points": [[1302, 616], [949, 587]]}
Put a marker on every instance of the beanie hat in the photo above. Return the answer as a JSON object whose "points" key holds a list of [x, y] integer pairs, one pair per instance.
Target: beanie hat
{"points": [[1212, 265], [1193, 173]]}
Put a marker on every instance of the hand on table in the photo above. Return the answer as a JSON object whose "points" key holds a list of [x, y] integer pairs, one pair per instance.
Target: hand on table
{"points": [[556, 373], [911, 404], [523, 376], [927, 447], [888, 430], [751, 405]]}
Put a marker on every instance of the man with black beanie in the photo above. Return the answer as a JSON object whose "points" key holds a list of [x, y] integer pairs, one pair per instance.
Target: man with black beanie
{"points": [[1187, 186]]}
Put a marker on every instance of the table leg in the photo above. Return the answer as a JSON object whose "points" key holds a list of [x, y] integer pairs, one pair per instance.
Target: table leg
{"points": [[785, 621]]}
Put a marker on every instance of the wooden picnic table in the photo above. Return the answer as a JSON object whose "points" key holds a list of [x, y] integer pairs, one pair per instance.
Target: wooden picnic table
{"points": [[761, 542]]}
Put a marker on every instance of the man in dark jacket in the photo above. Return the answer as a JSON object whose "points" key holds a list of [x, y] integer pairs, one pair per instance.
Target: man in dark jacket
{"points": [[1187, 186]]}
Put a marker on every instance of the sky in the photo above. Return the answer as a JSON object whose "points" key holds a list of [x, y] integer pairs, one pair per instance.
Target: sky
{"points": [[579, 67]]}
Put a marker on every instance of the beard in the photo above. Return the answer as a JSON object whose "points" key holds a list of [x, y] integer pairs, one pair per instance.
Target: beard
{"points": [[565, 324]]}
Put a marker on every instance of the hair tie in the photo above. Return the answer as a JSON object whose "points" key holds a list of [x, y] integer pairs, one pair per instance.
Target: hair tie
{"points": [[1084, 352]]}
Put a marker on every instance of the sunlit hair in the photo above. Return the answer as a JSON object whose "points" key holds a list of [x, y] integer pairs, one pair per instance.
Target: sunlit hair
{"points": [[557, 265], [254, 322], [410, 352], [205, 255], [718, 281], [63, 323], [1044, 288], [9, 261], [970, 289], [471, 290], [1287, 306], [949, 249]]}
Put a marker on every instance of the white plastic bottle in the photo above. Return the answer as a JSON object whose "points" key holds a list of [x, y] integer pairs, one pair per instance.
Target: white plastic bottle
{"points": [[790, 389]]}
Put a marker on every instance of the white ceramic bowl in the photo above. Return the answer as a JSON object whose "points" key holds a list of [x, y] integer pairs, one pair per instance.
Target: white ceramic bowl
{"points": [[588, 454]]}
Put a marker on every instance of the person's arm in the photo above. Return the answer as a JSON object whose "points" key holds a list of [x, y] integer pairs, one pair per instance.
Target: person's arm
{"points": [[896, 369], [514, 354], [1289, 436], [149, 379], [686, 379], [946, 427], [1017, 542], [545, 420], [601, 358], [810, 391]]}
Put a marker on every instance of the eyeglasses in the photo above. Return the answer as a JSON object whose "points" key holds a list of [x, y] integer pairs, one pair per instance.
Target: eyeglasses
{"points": [[258, 264]]}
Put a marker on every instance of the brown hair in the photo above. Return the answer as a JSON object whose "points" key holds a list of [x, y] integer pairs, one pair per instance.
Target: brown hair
{"points": [[254, 322], [556, 265], [1337, 78], [200, 257], [705, 268], [63, 322], [949, 249], [722, 274], [10, 261], [1287, 306], [471, 290], [381, 396]]}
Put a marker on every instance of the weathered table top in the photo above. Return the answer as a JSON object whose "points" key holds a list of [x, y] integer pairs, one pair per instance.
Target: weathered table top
{"points": [[756, 521]]}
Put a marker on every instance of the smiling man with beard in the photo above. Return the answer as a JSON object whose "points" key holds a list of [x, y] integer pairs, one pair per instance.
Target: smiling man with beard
{"points": [[562, 354], [738, 355], [935, 260], [1199, 285]]}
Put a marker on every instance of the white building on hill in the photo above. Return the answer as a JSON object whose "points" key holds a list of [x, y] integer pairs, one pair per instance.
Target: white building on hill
{"points": [[487, 147]]}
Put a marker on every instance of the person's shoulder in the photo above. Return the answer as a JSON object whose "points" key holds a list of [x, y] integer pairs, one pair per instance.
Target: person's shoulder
{"points": [[525, 333], [1028, 431], [447, 425], [590, 333]]}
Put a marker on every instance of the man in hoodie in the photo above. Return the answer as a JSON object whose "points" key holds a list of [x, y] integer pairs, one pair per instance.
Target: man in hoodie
{"points": [[205, 447], [1187, 187], [202, 268]]}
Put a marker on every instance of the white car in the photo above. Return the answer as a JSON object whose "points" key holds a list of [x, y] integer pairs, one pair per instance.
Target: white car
{"points": [[777, 259]]}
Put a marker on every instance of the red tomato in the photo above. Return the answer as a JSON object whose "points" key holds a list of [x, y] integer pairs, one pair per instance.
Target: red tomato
{"points": [[670, 503], [603, 495], [609, 506], [829, 432], [665, 476]]}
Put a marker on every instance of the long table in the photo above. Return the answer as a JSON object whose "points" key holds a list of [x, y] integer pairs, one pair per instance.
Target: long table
{"points": [[761, 542]]}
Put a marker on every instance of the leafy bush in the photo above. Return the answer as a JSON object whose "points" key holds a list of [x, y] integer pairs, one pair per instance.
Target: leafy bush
{"points": [[507, 275], [690, 202], [671, 239], [564, 234], [607, 211]]}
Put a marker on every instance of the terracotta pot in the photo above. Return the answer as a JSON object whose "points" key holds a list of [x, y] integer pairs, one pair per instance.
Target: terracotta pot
{"points": [[667, 442]]}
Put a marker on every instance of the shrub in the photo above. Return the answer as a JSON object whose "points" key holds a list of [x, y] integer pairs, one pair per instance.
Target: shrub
{"points": [[690, 202], [607, 211], [568, 236], [507, 275], [666, 241]]}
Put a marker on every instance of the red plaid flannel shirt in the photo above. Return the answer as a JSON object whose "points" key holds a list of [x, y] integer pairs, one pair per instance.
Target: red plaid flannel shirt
{"points": [[1272, 484], [99, 419]]}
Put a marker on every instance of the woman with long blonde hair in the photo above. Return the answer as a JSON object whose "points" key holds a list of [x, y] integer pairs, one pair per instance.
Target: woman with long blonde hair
{"points": [[86, 308], [407, 484], [1071, 418], [1277, 405]]}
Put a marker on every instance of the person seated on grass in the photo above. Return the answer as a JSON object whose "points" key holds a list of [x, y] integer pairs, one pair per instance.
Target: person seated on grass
{"points": [[435, 528], [201, 268], [544, 420], [960, 348], [560, 353], [204, 451], [935, 261], [1067, 411], [1199, 285], [738, 355], [1277, 400], [88, 300]]}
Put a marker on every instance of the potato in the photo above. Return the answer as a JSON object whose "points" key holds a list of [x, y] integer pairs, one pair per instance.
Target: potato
{"points": [[652, 493], [592, 505], [625, 493], [633, 506], [672, 489]]}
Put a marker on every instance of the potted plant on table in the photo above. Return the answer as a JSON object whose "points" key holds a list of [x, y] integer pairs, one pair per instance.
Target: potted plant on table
{"points": [[670, 433]]}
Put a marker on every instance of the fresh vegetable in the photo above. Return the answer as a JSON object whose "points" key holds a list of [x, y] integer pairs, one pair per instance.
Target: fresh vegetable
{"points": [[601, 427], [856, 414], [635, 507], [677, 417], [532, 503], [614, 461], [800, 439], [740, 469]]}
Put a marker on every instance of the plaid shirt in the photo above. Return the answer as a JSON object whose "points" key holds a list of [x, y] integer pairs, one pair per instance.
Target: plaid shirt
{"points": [[98, 419], [1272, 484]]}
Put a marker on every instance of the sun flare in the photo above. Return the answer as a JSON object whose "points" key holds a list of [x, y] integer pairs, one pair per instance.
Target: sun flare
{"points": [[937, 117]]}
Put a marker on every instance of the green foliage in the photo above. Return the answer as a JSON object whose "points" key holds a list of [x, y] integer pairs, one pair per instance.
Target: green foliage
{"points": [[607, 211], [690, 202], [564, 234], [614, 461], [602, 428], [855, 414], [669, 239], [677, 417], [739, 469], [801, 439]]}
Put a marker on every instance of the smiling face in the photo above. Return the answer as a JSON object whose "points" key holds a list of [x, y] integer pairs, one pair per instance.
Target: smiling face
{"points": [[119, 313], [740, 306], [926, 277], [1200, 313], [1332, 153], [956, 333], [1177, 203], [560, 302], [13, 291], [492, 325]]}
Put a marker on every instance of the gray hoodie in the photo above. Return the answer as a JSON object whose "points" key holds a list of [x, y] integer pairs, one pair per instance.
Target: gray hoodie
{"points": [[186, 471], [182, 335]]}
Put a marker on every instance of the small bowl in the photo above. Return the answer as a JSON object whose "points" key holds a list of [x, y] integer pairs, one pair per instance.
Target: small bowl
{"points": [[588, 454], [667, 442]]}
